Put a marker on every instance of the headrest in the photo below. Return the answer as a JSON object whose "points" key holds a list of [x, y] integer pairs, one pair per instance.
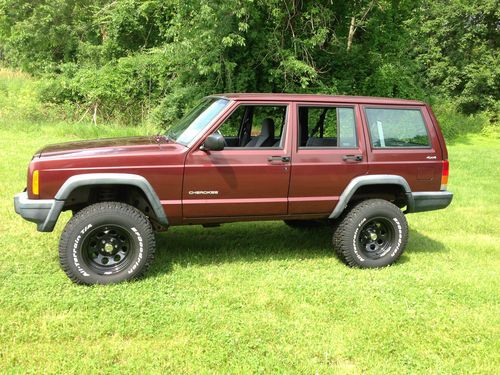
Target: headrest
{"points": [[267, 127]]}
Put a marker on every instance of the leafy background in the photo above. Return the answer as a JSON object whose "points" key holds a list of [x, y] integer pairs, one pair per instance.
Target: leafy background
{"points": [[147, 61]]}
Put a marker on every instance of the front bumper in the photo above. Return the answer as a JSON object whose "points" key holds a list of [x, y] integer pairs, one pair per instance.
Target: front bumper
{"points": [[43, 212], [430, 200]]}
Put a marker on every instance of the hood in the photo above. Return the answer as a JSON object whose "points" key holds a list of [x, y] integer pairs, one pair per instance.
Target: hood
{"points": [[105, 145]]}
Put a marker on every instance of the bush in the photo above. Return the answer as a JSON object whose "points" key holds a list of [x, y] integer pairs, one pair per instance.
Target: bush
{"points": [[454, 123], [19, 99], [123, 90]]}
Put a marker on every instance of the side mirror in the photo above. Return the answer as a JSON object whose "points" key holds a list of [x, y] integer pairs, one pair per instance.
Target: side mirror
{"points": [[214, 142]]}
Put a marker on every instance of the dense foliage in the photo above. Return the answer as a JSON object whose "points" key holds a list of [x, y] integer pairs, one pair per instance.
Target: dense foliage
{"points": [[136, 59]]}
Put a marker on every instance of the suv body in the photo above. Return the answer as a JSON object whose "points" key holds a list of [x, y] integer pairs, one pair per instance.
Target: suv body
{"points": [[241, 157]]}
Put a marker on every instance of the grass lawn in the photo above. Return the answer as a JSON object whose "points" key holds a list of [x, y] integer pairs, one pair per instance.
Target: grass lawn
{"points": [[259, 297]]}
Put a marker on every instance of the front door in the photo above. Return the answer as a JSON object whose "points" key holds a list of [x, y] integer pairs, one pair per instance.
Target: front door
{"points": [[250, 177]]}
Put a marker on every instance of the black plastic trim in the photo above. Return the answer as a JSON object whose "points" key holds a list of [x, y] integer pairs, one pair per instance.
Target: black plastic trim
{"points": [[375, 179], [34, 210], [45, 212], [430, 201]]}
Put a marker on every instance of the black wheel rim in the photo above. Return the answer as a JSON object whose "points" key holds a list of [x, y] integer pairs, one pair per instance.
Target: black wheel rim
{"points": [[107, 249], [376, 237]]}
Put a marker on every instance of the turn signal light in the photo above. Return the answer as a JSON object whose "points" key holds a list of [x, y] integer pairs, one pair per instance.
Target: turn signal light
{"points": [[35, 187], [444, 175]]}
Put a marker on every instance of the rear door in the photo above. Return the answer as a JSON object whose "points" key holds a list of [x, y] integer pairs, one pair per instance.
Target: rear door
{"points": [[403, 141], [328, 152]]}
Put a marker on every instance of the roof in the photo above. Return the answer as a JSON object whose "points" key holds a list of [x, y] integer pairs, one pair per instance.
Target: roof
{"points": [[317, 98]]}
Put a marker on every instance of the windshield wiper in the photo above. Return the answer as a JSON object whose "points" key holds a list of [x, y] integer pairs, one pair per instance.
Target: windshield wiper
{"points": [[166, 137]]}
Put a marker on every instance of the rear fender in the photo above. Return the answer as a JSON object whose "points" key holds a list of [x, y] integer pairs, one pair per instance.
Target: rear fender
{"points": [[377, 179]]}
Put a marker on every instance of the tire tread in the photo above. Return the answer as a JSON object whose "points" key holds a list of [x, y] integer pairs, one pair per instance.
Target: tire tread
{"points": [[95, 209], [341, 240]]}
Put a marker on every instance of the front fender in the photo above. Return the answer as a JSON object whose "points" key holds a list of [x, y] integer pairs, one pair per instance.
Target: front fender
{"points": [[52, 209], [88, 179]]}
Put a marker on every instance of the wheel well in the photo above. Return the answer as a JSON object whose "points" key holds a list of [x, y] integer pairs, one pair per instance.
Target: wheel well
{"points": [[390, 192], [86, 195]]}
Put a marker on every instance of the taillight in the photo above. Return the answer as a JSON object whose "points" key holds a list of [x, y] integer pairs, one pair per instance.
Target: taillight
{"points": [[444, 174]]}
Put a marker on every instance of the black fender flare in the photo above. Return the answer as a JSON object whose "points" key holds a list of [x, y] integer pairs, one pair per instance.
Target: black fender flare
{"points": [[88, 179], [375, 179]]}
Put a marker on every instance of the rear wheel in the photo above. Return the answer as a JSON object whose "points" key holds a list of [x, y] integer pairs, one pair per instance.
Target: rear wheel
{"points": [[106, 243], [372, 234]]}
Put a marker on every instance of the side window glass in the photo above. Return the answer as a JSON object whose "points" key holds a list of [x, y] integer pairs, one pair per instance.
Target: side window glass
{"points": [[274, 115], [231, 127], [347, 128], [251, 126], [397, 128], [327, 127]]}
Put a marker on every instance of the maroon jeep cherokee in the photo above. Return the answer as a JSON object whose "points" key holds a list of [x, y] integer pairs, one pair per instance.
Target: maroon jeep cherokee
{"points": [[356, 163]]}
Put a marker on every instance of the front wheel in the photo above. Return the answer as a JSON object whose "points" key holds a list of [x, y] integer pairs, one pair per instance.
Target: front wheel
{"points": [[373, 234], [106, 243]]}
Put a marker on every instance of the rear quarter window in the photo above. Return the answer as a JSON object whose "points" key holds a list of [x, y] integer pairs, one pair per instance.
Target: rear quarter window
{"points": [[395, 127]]}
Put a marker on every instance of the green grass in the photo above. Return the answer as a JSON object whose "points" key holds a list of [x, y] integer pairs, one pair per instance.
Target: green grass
{"points": [[258, 297]]}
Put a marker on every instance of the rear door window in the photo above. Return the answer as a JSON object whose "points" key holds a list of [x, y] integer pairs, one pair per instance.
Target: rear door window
{"points": [[327, 126], [395, 127]]}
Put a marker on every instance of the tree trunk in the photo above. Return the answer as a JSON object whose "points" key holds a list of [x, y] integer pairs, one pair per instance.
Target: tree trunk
{"points": [[94, 116], [352, 30]]}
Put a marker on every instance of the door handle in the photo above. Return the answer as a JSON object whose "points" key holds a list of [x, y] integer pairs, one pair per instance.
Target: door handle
{"points": [[284, 159], [352, 157]]}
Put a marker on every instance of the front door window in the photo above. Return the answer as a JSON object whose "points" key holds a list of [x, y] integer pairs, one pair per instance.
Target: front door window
{"points": [[254, 126]]}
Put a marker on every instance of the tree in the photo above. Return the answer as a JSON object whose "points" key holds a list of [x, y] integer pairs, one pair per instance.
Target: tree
{"points": [[456, 46]]}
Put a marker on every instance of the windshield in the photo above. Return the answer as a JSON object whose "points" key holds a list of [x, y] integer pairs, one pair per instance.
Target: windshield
{"points": [[192, 124]]}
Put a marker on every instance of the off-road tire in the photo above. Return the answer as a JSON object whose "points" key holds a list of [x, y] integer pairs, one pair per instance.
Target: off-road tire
{"points": [[335, 226], [304, 224], [353, 246], [131, 240]]}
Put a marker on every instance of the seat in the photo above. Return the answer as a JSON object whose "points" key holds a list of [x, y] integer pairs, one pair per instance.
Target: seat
{"points": [[266, 136]]}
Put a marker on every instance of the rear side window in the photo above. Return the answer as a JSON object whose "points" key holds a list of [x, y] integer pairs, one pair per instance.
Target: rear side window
{"points": [[327, 127], [391, 127]]}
